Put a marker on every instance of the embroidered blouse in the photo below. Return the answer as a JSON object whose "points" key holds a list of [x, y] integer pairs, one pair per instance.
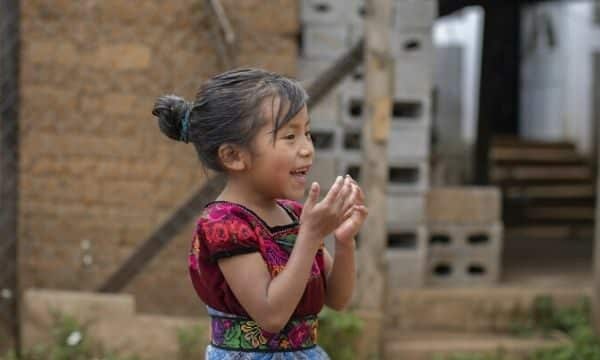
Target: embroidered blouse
{"points": [[226, 229]]}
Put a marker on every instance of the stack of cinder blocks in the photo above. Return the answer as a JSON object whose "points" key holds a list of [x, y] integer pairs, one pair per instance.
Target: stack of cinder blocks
{"points": [[331, 27], [465, 236]]}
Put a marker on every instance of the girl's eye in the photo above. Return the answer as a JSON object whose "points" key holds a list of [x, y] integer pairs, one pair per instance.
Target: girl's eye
{"points": [[290, 137]]}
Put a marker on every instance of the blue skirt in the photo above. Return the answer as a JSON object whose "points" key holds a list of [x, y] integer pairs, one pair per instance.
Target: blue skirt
{"points": [[316, 353]]}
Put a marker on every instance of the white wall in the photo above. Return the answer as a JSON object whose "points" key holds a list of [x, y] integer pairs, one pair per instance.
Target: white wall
{"points": [[465, 29], [556, 82]]}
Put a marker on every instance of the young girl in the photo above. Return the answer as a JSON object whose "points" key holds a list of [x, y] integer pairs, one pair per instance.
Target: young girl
{"points": [[257, 257]]}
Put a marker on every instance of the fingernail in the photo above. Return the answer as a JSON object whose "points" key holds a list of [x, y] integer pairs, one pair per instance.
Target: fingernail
{"points": [[339, 178]]}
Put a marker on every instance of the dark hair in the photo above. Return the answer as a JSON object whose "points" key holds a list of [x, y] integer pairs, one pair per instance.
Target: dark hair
{"points": [[227, 109]]}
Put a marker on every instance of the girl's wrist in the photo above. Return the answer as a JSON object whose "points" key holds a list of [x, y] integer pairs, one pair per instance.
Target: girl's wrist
{"points": [[345, 244]]}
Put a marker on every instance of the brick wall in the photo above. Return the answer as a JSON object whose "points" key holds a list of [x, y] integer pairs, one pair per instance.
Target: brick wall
{"points": [[97, 176]]}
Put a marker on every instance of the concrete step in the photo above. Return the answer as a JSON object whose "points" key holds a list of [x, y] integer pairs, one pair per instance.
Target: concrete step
{"points": [[522, 155], [516, 142], [438, 345], [470, 309], [541, 174], [576, 191], [549, 232], [556, 213]]}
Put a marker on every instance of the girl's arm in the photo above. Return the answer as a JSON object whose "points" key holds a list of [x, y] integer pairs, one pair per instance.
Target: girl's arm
{"points": [[342, 270], [271, 301], [341, 276]]}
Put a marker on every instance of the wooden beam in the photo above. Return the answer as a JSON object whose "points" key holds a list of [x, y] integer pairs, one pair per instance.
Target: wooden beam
{"points": [[372, 277], [155, 243], [223, 36], [10, 292], [335, 73]]}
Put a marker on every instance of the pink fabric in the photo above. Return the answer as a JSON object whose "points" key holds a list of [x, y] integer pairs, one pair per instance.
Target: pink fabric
{"points": [[227, 229]]}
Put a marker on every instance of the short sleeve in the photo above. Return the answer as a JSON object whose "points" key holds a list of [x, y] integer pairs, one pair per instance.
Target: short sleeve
{"points": [[227, 235]]}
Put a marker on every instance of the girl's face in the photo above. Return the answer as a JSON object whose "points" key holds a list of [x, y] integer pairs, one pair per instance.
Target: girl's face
{"points": [[280, 164]]}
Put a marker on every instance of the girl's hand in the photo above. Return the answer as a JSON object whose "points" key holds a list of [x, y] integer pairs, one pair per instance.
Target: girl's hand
{"points": [[323, 217], [354, 215]]}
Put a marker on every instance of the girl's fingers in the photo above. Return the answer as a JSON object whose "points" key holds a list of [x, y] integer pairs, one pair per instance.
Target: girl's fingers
{"points": [[343, 196], [362, 210], [350, 199], [360, 199], [348, 214], [334, 191], [313, 196]]}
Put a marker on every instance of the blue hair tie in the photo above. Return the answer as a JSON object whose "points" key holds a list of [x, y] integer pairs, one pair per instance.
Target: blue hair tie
{"points": [[185, 126]]}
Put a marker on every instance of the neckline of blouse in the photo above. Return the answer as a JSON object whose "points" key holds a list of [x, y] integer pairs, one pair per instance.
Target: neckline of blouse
{"points": [[271, 229]]}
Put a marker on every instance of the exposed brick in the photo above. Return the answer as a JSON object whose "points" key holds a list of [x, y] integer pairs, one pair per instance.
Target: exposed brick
{"points": [[274, 53], [94, 164], [60, 52], [49, 99], [75, 145], [278, 16], [119, 57]]}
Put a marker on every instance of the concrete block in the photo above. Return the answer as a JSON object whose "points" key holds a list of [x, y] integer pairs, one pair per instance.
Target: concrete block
{"points": [[465, 240], [327, 138], [414, 110], [458, 271], [408, 175], [416, 45], [464, 205], [412, 78], [464, 255], [309, 69], [355, 13], [323, 171], [406, 209], [406, 141], [414, 14], [327, 111], [406, 256], [405, 175], [323, 11], [323, 42]]}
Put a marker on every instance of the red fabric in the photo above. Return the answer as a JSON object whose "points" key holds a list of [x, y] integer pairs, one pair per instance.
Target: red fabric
{"points": [[227, 229]]}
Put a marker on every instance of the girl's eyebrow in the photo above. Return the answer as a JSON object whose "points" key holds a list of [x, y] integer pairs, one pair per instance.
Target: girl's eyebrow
{"points": [[295, 126]]}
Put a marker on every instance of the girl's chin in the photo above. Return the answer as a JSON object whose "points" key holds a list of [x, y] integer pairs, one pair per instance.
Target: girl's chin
{"points": [[296, 194]]}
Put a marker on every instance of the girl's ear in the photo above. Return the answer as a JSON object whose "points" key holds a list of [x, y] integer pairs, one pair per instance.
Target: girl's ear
{"points": [[233, 158]]}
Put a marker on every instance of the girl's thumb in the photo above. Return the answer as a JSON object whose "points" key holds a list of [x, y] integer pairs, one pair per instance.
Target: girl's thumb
{"points": [[313, 195]]}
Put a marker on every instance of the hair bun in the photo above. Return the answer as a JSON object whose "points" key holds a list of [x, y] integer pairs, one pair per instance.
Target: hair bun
{"points": [[170, 110]]}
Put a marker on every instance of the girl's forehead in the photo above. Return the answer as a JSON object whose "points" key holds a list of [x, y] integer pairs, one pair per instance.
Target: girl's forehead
{"points": [[271, 109]]}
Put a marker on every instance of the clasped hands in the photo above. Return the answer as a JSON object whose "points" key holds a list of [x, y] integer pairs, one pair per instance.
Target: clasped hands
{"points": [[341, 212]]}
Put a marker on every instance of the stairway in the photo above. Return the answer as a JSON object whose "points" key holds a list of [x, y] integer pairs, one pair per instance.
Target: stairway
{"points": [[548, 188], [428, 324]]}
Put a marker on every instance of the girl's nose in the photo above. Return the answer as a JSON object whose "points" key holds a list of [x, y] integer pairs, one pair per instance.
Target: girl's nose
{"points": [[307, 150]]}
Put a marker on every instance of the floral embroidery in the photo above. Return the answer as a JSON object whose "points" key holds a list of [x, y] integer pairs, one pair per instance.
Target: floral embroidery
{"points": [[245, 334], [194, 253], [218, 231], [253, 334]]}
